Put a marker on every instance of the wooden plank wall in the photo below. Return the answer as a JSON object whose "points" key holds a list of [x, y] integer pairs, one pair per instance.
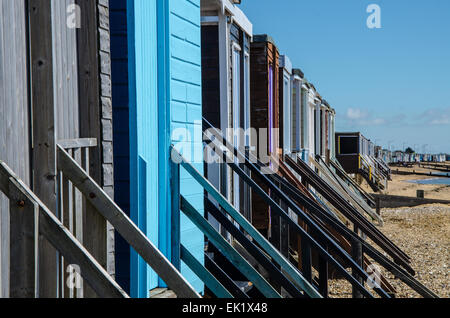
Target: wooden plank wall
{"points": [[65, 72], [66, 94], [95, 99], [281, 107], [211, 74], [14, 115], [186, 94], [66, 101]]}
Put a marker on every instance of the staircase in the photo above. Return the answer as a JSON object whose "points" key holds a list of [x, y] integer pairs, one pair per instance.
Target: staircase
{"points": [[30, 218]]}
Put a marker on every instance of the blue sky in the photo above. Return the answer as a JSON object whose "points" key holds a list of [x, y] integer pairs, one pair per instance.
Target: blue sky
{"points": [[392, 84]]}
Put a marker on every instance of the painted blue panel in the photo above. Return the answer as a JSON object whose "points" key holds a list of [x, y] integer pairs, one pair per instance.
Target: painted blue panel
{"points": [[185, 74], [157, 45], [142, 44], [120, 94]]}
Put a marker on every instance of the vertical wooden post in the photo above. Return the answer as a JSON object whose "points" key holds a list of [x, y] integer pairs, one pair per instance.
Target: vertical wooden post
{"points": [[44, 149], [175, 214], [275, 237], [23, 244], [78, 218], [323, 276], [378, 205], [94, 75], [357, 255], [306, 260]]}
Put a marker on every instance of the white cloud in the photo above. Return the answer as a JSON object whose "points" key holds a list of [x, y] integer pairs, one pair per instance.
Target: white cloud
{"points": [[379, 121], [358, 116], [441, 121], [436, 116], [356, 113]]}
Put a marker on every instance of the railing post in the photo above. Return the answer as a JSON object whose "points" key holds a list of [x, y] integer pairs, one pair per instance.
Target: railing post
{"points": [[43, 132], [306, 260], [357, 255], [23, 244], [175, 214], [323, 277]]}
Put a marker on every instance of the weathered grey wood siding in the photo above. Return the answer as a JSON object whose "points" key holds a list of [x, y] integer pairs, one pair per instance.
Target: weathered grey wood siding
{"points": [[68, 79], [14, 123], [65, 72]]}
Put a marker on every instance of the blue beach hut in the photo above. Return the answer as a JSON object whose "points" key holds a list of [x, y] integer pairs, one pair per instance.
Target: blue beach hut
{"points": [[157, 101]]}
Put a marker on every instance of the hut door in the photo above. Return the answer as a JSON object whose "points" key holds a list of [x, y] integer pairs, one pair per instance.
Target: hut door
{"points": [[271, 144], [236, 115], [286, 114], [246, 192]]}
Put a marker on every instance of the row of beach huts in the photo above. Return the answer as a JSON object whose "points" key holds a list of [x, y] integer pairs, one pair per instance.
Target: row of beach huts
{"points": [[161, 149]]}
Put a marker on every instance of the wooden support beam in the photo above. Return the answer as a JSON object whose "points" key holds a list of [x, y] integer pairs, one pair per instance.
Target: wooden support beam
{"points": [[175, 224], [23, 243], [126, 228], [306, 260], [323, 277], [75, 254], [78, 217], [51, 229], [98, 238], [44, 137], [357, 255], [224, 279]]}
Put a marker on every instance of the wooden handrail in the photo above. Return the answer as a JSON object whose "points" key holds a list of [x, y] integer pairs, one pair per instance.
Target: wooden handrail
{"points": [[55, 232], [349, 211], [324, 238], [124, 226], [248, 227], [229, 251], [252, 250], [78, 143], [359, 205], [373, 253], [210, 281]]}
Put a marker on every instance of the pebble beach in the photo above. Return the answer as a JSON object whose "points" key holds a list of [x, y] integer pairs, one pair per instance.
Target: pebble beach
{"points": [[422, 232]]}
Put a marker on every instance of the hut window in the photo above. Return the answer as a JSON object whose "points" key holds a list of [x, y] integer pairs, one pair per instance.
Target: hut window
{"points": [[304, 119], [348, 145], [286, 114], [236, 115], [271, 87], [247, 95]]}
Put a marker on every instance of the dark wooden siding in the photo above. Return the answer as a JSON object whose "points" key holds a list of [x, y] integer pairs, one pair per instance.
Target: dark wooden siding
{"points": [[262, 55], [211, 74], [350, 162], [281, 106], [119, 57]]}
